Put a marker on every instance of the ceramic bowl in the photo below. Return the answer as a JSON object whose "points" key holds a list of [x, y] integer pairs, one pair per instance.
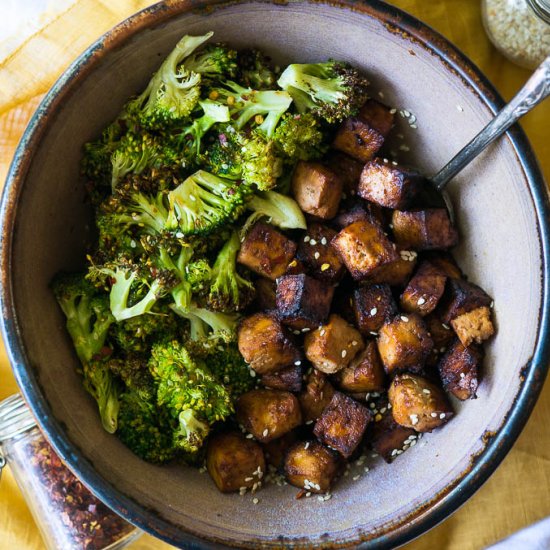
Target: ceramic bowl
{"points": [[503, 219]]}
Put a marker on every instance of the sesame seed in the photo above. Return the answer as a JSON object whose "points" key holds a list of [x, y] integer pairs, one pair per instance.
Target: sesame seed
{"points": [[344, 353], [421, 301], [462, 375], [393, 111], [394, 452], [322, 332], [414, 126], [372, 405], [442, 416], [374, 311], [179, 235], [446, 327], [248, 478], [441, 350], [316, 255], [296, 332], [406, 113], [306, 446], [399, 452], [324, 241], [308, 494], [426, 391], [414, 419], [460, 108], [312, 242], [366, 469], [306, 329], [297, 363], [413, 443], [293, 263], [404, 148], [192, 197], [378, 417], [385, 161], [249, 436], [307, 238], [355, 478], [373, 333], [320, 498], [354, 342], [383, 410], [381, 94], [433, 415], [255, 500], [309, 422], [491, 305], [404, 319], [325, 266], [394, 163], [374, 455]]}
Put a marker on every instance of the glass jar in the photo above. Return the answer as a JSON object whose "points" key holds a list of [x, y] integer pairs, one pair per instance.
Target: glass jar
{"points": [[520, 29], [68, 516]]}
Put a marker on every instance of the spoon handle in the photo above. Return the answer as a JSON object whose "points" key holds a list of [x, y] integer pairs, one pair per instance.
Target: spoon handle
{"points": [[532, 93]]}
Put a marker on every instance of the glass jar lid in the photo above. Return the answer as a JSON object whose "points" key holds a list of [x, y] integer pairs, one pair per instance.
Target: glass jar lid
{"points": [[15, 417], [541, 8]]}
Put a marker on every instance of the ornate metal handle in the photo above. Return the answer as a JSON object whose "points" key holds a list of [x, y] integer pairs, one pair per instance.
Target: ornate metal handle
{"points": [[535, 90]]}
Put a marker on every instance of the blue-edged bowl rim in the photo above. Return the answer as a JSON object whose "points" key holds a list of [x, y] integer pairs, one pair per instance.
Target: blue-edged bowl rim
{"points": [[497, 444]]}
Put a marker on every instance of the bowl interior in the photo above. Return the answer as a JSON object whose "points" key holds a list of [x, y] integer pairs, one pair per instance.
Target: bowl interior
{"points": [[500, 250]]}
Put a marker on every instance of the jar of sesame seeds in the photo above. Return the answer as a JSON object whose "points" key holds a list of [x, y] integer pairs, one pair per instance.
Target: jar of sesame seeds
{"points": [[520, 29]]}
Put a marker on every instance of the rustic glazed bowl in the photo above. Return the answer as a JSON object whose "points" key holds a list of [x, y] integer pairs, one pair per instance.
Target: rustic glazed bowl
{"points": [[503, 218]]}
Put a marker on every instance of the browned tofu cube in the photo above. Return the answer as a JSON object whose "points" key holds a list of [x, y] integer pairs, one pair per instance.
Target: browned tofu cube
{"points": [[396, 273], [342, 424], [289, 379], [317, 189], [333, 346], [356, 213], [234, 461], [445, 263], [373, 305], [265, 345], [316, 395], [418, 404], [404, 344], [265, 293], [363, 135], [441, 334], [363, 247], [311, 466], [388, 184], [348, 168], [266, 251], [319, 256], [268, 414], [389, 439], [462, 297], [424, 290], [302, 301], [424, 229], [365, 373], [474, 326], [276, 449], [459, 369]]}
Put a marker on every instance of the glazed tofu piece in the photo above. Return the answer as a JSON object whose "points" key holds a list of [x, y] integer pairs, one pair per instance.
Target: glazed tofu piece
{"points": [[311, 466], [318, 255], [289, 379], [459, 370], [365, 373], [396, 273], [442, 336], [363, 247], [404, 344], [348, 168], [316, 396], [463, 297], [265, 344], [474, 326], [276, 449], [302, 301], [389, 439], [362, 136], [445, 263], [266, 251], [373, 305], [268, 414], [418, 404], [265, 293], [356, 213], [424, 290], [342, 424], [388, 184], [317, 189], [424, 229], [333, 346], [234, 461]]}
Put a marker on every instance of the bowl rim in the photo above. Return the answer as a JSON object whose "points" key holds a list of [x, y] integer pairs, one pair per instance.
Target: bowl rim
{"points": [[496, 444]]}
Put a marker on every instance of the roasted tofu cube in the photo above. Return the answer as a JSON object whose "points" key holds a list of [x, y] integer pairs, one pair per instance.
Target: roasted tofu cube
{"points": [[316, 395], [404, 344], [396, 273], [459, 369], [373, 305], [363, 135], [265, 344], [302, 301], [333, 346], [234, 461], [356, 213], [445, 263], [311, 466], [417, 403], [276, 449], [342, 424], [388, 184], [389, 439], [365, 373], [268, 414], [424, 229], [442, 336], [317, 189], [266, 251], [363, 247], [424, 290], [319, 256], [348, 168], [462, 297], [289, 379], [474, 326]]}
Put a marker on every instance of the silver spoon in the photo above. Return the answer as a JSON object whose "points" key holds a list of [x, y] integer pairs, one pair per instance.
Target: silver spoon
{"points": [[533, 92]]}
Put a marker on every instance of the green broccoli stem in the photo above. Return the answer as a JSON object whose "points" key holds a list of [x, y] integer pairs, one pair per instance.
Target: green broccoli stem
{"points": [[100, 383], [281, 210]]}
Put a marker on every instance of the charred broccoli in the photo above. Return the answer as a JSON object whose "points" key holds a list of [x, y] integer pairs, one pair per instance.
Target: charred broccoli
{"points": [[216, 61], [255, 70], [280, 210]]}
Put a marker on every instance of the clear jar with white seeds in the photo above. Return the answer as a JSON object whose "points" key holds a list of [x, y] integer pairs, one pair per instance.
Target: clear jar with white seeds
{"points": [[520, 29]]}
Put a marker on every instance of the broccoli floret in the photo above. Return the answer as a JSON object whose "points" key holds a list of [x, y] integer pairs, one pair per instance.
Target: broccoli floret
{"points": [[203, 203], [281, 210], [87, 314], [215, 61], [255, 70], [114, 240], [190, 392], [135, 374], [247, 157], [300, 137], [213, 113], [265, 107], [331, 90], [229, 291], [173, 92]]}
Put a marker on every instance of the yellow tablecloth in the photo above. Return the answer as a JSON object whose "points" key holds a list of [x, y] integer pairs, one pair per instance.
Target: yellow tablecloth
{"points": [[519, 491]]}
